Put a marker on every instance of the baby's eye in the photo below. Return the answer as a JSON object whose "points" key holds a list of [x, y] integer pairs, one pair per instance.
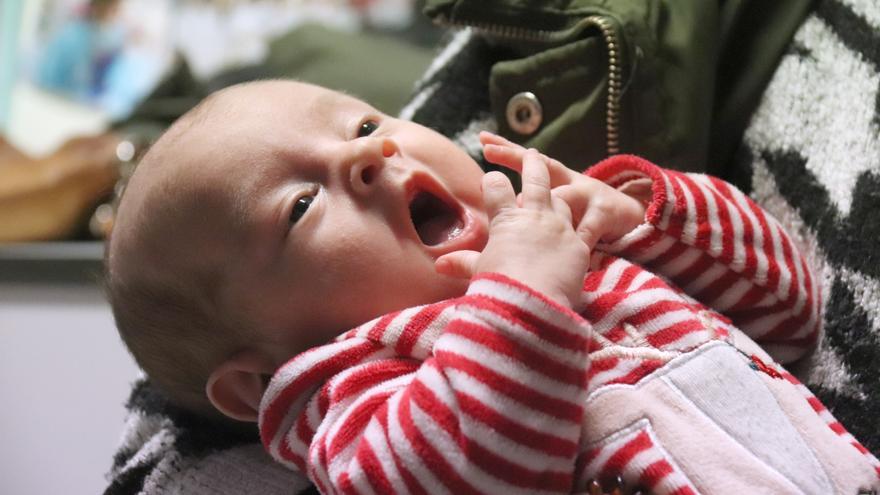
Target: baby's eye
{"points": [[367, 128], [300, 207]]}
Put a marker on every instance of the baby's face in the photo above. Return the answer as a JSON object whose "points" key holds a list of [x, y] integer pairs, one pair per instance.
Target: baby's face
{"points": [[340, 211]]}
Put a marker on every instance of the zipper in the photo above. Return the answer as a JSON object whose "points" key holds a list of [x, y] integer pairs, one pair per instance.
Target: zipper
{"points": [[612, 48]]}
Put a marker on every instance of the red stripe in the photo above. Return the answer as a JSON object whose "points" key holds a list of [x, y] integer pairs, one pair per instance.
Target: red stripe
{"points": [[524, 394], [718, 288], [700, 265], [280, 406], [372, 467], [368, 375], [417, 325], [344, 485], [674, 333], [600, 365], [658, 309], [355, 422], [782, 332], [592, 281], [597, 309], [773, 272], [701, 213], [516, 432], [652, 475], [317, 449], [484, 459], [516, 316], [641, 246], [516, 474], [723, 200], [428, 401], [747, 316], [674, 252], [412, 484], [378, 331], [639, 372], [303, 433], [838, 428], [627, 277], [861, 448], [536, 361], [679, 207], [626, 163], [751, 263], [320, 484], [748, 300], [615, 334], [788, 250], [618, 461], [428, 454]]}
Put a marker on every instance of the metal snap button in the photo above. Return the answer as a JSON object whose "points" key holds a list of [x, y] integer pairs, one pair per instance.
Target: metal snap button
{"points": [[524, 113]]}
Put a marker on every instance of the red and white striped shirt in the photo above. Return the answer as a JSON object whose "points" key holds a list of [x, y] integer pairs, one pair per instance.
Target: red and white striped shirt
{"points": [[488, 393]]}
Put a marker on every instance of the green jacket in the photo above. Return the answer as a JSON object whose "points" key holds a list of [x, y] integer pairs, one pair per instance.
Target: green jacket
{"points": [[672, 80]]}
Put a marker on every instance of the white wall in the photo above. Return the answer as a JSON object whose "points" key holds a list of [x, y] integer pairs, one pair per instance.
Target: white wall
{"points": [[64, 377]]}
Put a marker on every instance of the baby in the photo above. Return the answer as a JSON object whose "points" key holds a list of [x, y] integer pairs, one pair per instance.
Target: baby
{"points": [[526, 344]]}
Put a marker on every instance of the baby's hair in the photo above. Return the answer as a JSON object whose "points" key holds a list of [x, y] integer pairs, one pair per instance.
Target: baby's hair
{"points": [[171, 333], [168, 313]]}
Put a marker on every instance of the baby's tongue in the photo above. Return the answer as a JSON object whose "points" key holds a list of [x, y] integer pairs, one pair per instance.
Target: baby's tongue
{"points": [[440, 228]]}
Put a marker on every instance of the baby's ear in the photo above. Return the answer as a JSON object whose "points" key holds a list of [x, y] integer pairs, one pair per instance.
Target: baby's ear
{"points": [[236, 386]]}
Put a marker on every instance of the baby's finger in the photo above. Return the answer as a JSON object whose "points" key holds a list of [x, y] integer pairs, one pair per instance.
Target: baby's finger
{"points": [[575, 196], [457, 264], [561, 208], [536, 181], [498, 193], [503, 155], [590, 230], [487, 137], [512, 158]]}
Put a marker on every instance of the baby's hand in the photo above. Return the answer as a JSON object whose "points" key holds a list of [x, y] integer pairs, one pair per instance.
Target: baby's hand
{"points": [[533, 242], [599, 212]]}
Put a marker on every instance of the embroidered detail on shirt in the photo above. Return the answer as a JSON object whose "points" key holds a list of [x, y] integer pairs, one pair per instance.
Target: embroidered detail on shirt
{"points": [[706, 320], [763, 367], [638, 340], [758, 364], [623, 352]]}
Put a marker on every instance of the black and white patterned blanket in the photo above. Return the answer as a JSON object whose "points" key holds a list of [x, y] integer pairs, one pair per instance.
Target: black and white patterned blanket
{"points": [[811, 156], [812, 151]]}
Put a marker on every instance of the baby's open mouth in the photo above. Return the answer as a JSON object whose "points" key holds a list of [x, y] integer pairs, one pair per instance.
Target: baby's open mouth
{"points": [[435, 221]]}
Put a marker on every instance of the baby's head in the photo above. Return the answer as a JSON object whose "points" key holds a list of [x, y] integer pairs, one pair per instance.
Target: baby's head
{"points": [[268, 220]]}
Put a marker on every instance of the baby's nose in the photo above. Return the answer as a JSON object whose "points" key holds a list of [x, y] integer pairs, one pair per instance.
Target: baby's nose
{"points": [[363, 175], [389, 148], [365, 170]]}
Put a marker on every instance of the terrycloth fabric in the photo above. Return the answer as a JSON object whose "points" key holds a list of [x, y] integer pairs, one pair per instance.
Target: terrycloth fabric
{"points": [[811, 157], [165, 450], [503, 390]]}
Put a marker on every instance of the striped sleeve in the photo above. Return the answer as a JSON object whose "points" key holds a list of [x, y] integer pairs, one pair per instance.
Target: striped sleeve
{"points": [[495, 408], [721, 248]]}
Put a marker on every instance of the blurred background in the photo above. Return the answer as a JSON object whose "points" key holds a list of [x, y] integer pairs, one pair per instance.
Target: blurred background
{"points": [[85, 86]]}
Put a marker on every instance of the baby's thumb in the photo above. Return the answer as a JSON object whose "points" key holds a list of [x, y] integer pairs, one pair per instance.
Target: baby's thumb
{"points": [[458, 264]]}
